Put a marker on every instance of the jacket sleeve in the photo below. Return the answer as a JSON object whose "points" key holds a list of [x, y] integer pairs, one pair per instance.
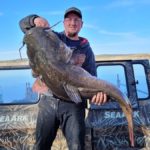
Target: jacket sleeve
{"points": [[89, 64], [27, 22]]}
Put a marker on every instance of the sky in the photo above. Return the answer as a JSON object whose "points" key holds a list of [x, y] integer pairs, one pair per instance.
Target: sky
{"points": [[111, 26]]}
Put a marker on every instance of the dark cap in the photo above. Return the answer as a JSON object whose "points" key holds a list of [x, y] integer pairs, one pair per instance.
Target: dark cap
{"points": [[73, 10]]}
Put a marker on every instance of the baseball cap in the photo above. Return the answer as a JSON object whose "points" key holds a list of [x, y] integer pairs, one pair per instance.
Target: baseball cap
{"points": [[73, 10]]}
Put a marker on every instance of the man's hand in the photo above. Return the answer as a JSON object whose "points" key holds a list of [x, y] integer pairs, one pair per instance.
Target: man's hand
{"points": [[99, 99], [41, 22], [78, 59], [39, 86]]}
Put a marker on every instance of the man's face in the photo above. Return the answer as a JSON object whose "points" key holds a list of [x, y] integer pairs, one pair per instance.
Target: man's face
{"points": [[72, 25]]}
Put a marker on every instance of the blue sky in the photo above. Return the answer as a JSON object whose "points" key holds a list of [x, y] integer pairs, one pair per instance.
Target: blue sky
{"points": [[111, 26]]}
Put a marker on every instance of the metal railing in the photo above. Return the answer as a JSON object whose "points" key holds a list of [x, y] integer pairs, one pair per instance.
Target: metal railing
{"points": [[24, 63]]}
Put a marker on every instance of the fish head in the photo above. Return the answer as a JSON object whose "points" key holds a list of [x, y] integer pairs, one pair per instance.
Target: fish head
{"points": [[39, 39], [34, 37]]}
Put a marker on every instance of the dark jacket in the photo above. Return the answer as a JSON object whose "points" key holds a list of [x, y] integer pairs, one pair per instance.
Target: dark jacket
{"points": [[83, 47]]}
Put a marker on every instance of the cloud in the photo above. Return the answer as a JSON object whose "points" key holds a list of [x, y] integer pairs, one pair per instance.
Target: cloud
{"points": [[132, 44], [1, 14], [11, 55], [122, 3], [122, 34], [109, 33], [52, 13], [127, 3], [120, 48], [110, 42], [90, 26]]}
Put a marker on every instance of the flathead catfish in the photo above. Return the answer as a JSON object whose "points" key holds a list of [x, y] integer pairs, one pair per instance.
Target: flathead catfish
{"points": [[53, 60]]}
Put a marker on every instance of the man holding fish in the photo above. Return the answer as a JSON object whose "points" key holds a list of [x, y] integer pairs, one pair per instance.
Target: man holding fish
{"points": [[67, 115]]}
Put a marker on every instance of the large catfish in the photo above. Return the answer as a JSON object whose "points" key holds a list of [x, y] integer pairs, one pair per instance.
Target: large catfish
{"points": [[52, 59]]}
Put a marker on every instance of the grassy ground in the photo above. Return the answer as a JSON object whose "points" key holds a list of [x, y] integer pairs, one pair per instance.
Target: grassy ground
{"points": [[60, 142]]}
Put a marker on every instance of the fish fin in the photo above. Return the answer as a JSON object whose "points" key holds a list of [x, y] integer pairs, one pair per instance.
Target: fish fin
{"points": [[73, 93]]}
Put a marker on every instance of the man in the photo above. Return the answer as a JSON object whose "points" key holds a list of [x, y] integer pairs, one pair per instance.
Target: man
{"points": [[54, 111]]}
